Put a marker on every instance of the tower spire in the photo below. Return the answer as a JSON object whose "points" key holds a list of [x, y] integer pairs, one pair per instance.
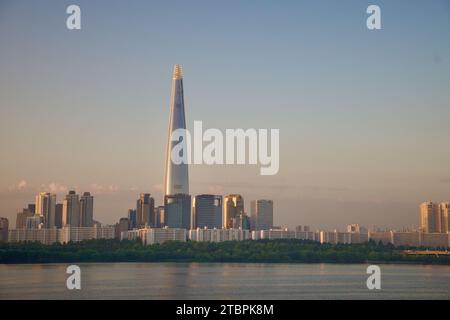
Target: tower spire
{"points": [[176, 175]]}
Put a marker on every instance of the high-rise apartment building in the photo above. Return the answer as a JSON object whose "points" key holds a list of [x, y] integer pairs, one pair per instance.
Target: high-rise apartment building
{"points": [[71, 210], [58, 215], [132, 219], [21, 218], [177, 211], [86, 210], [261, 213], [430, 221], [207, 211], [45, 207], [145, 210], [233, 208], [444, 212], [160, 217], [4, 227]]}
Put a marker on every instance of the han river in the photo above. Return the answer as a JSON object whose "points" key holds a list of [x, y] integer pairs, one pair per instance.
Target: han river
{"points": [[204, 281]]}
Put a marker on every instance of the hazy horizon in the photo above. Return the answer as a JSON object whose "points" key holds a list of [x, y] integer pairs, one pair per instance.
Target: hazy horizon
{"points": [[364, 116]]}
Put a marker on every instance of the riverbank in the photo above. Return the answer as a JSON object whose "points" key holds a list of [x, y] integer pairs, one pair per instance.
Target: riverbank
{"points": [[261, 251]]}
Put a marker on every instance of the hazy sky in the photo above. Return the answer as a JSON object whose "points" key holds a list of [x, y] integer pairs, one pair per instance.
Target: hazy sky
{"points": [[364, 116]]}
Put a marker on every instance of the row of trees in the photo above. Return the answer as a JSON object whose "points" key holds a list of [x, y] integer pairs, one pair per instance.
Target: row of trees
{"points": [[286, 250]]}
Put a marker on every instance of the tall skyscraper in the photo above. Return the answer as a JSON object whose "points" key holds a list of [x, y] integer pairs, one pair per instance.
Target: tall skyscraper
{"points": [[176, 175], [207, 211], [132, 219], [261, 213], [444, 212], [430, 221], [120, 227], [160, 217], [86, 210], [4, 226], [233, 207], [177, 201], [145, 210], [45, 207], [58, 215], [177, 211], [21, 218], [71, 210]]}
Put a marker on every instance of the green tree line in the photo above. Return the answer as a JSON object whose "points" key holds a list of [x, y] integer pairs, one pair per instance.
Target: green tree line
{"points": [[270, 251]]}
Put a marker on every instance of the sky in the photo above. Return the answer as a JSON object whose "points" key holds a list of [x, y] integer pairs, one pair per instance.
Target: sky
{"points": [[364, 116]]}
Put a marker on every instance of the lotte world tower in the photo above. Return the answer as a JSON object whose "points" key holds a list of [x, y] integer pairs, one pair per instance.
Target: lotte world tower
{"points": [[177, 202]]}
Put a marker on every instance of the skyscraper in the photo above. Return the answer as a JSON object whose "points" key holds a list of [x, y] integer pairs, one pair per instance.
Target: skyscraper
{"points": [[177, 201], [261, 213], [233, 207], [176, 175], [207, 211], [58, 215], [430, 221], [145, 210], [132, 219], [177, 211], [71, 210], [4, 226], [45, 207], [160, 217], [444, 212], [21, 219], [86, 210]]}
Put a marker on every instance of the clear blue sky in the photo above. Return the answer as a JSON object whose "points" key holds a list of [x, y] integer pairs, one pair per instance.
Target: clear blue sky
{"points": [[364, 116]]}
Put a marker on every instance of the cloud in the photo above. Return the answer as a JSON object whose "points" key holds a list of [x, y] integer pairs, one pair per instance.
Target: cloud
{"points": [[97, 188], [113, 188], [20, 186], [55, 187]]}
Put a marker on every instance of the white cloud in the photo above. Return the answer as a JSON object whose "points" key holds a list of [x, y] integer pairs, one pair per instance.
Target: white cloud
{"points": [[20, 186], [55, 187]]}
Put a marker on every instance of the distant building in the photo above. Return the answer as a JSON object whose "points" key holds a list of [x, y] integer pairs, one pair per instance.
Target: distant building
{"points": [[430, 221], [122, 226], [71, 210], [32, 207], [435, 240], [444, 212], [410, 239], [151, 236], [35, 222], [242, 221], [384, 237], [160, 217], [358, 233], [218, 235], [21, 218], [261, 213], [86, 210], [63, 235], [207, 211], [4, 228], [177, 211], [59, 215], [45, 206], [233, 207], [132, 219], [145, 209]]}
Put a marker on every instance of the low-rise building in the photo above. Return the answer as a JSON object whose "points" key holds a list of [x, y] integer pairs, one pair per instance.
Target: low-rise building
{"points": [[218, 235], [62, 235], [150, 236]]}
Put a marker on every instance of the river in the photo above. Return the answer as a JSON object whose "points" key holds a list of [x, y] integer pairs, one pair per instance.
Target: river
{"points": [[203, 281]]}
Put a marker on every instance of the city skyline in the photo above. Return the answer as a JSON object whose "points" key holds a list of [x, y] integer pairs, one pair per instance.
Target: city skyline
{"points": [[356, 145]]}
